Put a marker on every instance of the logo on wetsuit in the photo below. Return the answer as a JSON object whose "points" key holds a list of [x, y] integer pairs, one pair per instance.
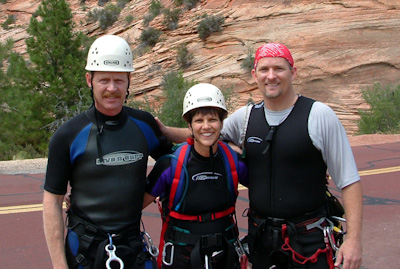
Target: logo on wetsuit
{"points": [[206, 176], [120, 158], [254, 139]]}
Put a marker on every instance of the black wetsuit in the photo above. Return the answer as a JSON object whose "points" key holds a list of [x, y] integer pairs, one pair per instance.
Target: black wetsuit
{"points": [[104, 159]]}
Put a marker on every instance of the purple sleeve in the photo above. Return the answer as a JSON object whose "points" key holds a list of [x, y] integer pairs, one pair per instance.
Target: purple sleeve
{"points": [[243, 174], [162, 184]]}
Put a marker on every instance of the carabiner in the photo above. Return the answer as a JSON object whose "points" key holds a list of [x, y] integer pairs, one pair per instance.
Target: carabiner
{"points": [[112, 257], [164, 254], [153, 250], [328, 233]]}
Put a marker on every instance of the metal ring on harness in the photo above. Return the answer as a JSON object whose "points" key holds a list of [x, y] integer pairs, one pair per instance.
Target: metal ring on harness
{"points": [[112, 257], [164, 254], [153, 250]]}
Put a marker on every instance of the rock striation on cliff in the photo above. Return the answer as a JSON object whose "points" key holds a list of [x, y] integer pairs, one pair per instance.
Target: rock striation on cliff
{"points": [[340, 47]]}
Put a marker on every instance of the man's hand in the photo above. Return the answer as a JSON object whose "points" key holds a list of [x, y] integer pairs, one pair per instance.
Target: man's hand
{"points": [[161, 125], [174, 134], [349, 254], [67, 200]]}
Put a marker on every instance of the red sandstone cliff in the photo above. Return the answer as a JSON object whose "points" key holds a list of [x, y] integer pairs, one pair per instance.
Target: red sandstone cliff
{"points": [[339, 47]]}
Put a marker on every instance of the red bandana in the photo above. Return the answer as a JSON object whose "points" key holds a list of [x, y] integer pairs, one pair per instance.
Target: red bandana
{"points": [[273, 50]]}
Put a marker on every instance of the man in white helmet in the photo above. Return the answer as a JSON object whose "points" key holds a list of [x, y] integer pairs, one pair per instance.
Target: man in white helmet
{"points": [[198, 187], [102, 154]]}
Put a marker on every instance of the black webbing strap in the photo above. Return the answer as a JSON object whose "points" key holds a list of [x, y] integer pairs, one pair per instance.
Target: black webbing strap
{"points": [[86, 237]]}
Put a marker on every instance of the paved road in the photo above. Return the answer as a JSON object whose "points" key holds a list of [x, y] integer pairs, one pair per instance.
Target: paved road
{"points": [[23, 244]]}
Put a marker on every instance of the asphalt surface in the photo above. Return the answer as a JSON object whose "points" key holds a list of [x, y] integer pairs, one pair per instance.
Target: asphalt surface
{"points": [[23, 244]]}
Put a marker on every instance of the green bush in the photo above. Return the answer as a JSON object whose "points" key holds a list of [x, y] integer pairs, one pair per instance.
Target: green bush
{"points": [[188, 4], [93, 15], [150, 36], [155, 7], [122, 3], [183, 57], [154, 10], [101, 3], [128, 19], [248, 63], [383, 116], [106, 16], [147, 19], [210, 25], [10, 20], [171, 18], [174, 86]]}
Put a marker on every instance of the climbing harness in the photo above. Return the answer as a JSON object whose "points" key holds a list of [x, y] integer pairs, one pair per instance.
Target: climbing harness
{"points": [[112, 257], [178, 192], [289, 231], [326, 226], [81, 234]]}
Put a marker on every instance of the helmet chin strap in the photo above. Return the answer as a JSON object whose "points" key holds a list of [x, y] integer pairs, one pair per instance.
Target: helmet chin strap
{"points": [[127, 90]]}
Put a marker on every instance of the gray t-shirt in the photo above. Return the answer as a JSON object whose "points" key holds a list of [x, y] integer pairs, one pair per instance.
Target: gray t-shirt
{"points": [[326, 132]]}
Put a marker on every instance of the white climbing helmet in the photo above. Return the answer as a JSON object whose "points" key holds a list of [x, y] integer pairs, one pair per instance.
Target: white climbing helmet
{"points": [[203, 95], [110, 53]]}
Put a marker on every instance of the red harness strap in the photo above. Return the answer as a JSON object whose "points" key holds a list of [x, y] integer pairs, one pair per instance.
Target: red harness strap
{"points": [[174, 187], [313, 258], [177, 175], [212, 216]]}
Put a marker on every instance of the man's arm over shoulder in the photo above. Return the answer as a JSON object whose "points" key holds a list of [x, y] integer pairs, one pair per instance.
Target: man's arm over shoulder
{"points": [[174, 134], [234, 128], [163, 144]]}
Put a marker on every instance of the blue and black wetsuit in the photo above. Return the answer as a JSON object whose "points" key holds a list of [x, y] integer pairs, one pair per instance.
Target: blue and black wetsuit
{"points": [[104, 159]]}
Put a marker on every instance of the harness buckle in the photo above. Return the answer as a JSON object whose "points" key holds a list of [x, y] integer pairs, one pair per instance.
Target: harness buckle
{"points": [[80, 259], [317, 224], [206, 217], [213, 240]]}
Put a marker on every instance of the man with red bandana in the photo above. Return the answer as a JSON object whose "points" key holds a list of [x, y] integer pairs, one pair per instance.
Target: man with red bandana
{"points": [[290, 141]]}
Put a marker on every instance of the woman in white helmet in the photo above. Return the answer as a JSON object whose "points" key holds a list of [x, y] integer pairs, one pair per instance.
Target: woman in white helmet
{"points": [[102, 154], [198, 189]]}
